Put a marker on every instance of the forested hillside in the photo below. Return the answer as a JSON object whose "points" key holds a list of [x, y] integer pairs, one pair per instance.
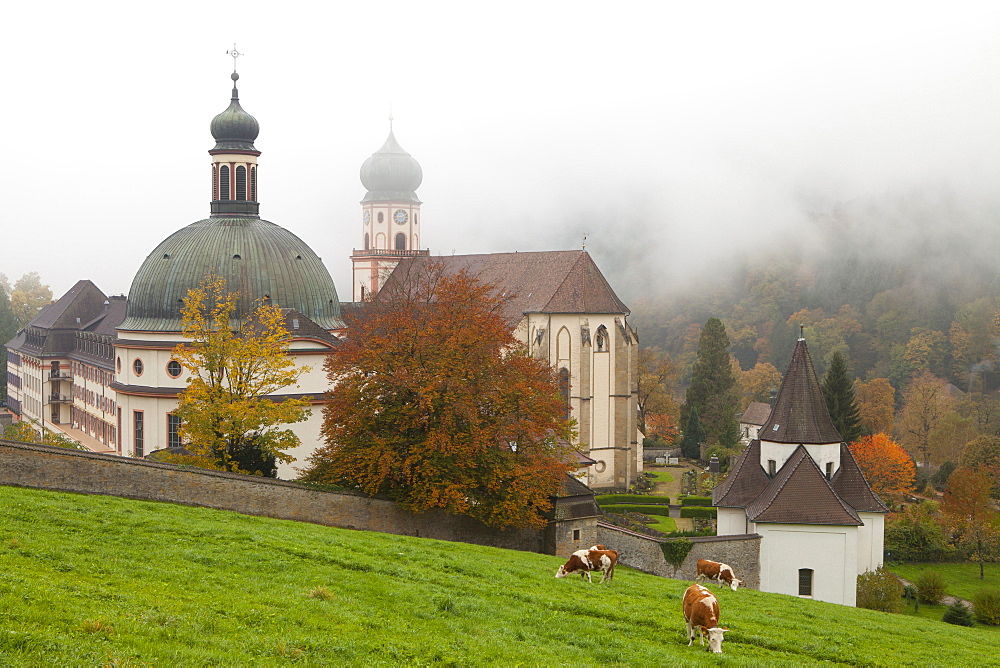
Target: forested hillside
{"points": [[899, 287], [906, 288]]}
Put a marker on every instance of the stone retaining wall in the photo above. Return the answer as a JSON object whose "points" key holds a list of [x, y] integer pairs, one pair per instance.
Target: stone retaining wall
{"points": [[643, 553], [61, 469]]}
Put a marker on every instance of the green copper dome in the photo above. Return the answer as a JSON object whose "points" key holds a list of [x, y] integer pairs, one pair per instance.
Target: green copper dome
{"points": [[259, 259], [391, 173], [235, 129]]}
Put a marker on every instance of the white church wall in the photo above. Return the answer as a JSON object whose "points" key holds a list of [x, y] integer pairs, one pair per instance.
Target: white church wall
{"points": [[780, 452], [871, 542], [830, 551], [731, 521]]}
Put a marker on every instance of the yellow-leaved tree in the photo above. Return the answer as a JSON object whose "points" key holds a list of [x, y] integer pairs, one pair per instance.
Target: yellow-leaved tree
{"points": [[229, 416]]}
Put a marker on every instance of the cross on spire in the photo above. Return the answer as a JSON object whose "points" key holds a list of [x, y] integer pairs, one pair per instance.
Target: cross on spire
{"points": [[235, 54]]}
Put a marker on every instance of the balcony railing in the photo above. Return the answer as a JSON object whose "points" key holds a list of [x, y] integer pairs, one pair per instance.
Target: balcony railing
{"points": [[382, 252], [59, 399], [60, 375]]}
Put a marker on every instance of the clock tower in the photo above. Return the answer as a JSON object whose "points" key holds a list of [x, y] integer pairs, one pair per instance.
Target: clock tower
{"points": [[390, 216]]}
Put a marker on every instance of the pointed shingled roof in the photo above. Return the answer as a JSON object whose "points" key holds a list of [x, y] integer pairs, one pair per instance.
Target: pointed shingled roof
{"points": [[801, 494], [850, 484], [540, 282], [744, 483], [800, 414]]}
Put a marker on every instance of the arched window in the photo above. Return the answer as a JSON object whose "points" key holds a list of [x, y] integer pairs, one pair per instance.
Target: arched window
{"points": [[400, 241], [366, 241], [215, 183], [253, 184], [241, 183], [224, 182]]}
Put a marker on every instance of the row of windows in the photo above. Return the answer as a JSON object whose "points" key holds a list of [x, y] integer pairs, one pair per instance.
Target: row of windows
{"points": [[400, 241], [92, 374], [222, 184], [139, 432], [105, 404], [13, 380], [103, 431], [173, 367]]}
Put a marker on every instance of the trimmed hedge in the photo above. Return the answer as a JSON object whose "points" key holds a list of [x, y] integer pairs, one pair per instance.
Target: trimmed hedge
{"points": [[695, 500], [698, 511], [636, 508], [649, 499]]}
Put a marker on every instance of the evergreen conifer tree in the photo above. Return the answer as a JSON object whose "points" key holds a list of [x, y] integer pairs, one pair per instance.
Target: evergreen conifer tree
{"points": [[838, 390], [694, 434], [713, 387]]}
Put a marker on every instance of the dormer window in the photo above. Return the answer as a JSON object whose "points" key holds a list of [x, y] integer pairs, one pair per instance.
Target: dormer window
{"points": [[829, 470], [772, 467]]}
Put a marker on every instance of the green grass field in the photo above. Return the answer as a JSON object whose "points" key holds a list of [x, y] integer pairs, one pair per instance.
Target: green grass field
{"points": [[961, 579], [660, 476], [91, 581]]}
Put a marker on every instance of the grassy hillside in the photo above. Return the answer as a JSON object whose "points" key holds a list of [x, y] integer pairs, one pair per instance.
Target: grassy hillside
{"points": [[87, 580]]}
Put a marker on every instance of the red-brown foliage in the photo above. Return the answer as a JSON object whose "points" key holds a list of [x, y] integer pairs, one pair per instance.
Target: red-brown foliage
{"points": [[435, 404], [888, 468]]}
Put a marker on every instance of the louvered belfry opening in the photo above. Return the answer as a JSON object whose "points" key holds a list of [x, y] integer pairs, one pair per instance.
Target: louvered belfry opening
{"points": [[241, 183], [215, 182], [253, 184], [224, 182]]}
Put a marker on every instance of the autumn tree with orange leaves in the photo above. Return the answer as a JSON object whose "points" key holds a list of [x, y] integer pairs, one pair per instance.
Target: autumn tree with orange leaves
{"points": [[887, 467], [968, 513], [435, 404]]}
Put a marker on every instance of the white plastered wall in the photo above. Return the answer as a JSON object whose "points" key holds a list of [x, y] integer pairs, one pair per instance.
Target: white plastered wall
{"points": [[871, 541], [830, 551]]}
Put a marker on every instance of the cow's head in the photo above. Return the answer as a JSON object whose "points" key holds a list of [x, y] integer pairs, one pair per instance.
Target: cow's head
{"points": [[715, 639], [561, 573], [734, 583]]}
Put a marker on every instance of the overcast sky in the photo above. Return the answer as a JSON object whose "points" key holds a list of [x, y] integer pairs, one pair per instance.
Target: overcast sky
{"points": [[660, 129]]}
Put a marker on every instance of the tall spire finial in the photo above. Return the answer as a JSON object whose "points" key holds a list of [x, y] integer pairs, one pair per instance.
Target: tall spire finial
{"points": [[235, 54], [390, 116], [802, 332], [584, 241]]}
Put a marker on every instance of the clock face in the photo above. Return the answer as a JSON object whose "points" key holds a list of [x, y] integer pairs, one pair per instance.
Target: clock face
{"points": [[368, 216], [400, 217]]}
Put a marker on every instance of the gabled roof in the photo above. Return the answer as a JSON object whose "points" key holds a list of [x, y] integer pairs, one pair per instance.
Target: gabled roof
{"points": [[744, 483], [800, 494], [756, 413], [800, 414], [81, 304], [111, 316], [539, 282], [851, 486]]}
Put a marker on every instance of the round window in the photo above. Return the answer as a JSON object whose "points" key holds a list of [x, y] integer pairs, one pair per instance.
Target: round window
{"points": [[174, 368], [137, 366]]}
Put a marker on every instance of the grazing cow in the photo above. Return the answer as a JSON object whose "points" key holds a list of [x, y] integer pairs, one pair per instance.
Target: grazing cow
{"points": [[701, 613], [721, 573], [585, 561]]}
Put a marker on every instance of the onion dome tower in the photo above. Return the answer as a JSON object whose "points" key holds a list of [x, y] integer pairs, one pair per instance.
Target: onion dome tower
{"points": [[260, 260], [390, 216]]}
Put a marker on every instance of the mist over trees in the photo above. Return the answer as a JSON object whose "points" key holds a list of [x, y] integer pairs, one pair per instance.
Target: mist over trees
{"points": [[898, 284]]}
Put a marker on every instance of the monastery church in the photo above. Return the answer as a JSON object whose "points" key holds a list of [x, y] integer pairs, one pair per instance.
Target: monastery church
{"points": [[99, 369]]}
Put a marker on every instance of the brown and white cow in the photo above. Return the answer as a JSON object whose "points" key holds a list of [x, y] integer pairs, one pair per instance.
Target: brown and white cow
{"points": [[701, 613], [585, 561], [721, 573]]}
